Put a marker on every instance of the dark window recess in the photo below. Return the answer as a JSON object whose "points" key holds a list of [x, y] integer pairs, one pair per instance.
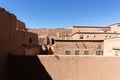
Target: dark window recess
{"points": [[53, 41], [30, 40], [106, 36], [99, 52], [81, 37], [98, 46], [67, 52], [86, 52], [76, 52], [105, 31]]}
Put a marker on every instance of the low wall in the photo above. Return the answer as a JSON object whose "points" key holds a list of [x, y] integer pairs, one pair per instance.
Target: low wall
{"points": [[82, 67], [27, 68], [64, 67]]}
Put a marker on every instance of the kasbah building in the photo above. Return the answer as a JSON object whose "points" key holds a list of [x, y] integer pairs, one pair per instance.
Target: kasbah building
{"points": [[81, 40], [75, 53]]}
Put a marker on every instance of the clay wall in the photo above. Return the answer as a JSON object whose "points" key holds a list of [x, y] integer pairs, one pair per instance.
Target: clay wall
{"points": [[92, 36], [52, 32], [31, 44], [112, 46], [61, 67], [74, 33], [27, 68], [31, 39], [4, 38], [12, 41], [115, 28], [20, 26], [7, 34], [23, 41], [34, 50], [91, 46], [18, 43], [90, 29], [44, 34], [82, 67]]}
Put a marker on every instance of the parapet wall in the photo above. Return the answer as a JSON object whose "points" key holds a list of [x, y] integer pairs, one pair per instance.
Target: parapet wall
{"points": [[64, 67], [82, 67]]}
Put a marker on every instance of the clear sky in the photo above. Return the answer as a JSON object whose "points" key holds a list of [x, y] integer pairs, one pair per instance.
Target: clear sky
{"points": [[64, 13]]}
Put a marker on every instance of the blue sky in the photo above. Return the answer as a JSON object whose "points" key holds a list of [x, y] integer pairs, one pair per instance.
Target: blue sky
{"points": [[64, 13]]}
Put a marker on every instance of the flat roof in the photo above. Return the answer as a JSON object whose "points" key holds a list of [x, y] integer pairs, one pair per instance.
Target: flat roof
{"points": [[96, 33], [89, 27], [79, 40], [93, 33]]}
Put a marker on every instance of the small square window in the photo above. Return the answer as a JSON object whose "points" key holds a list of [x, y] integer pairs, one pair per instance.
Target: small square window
{"points": [[81, 37], [86, 52], [67, 52], [99, 52], [106, 36], [105, 31], [98, 46], [76, 52]]}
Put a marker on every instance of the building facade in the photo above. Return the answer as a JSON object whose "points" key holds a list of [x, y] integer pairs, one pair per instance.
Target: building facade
{"points": [[78, 47], [112, 46], [14, 40], [77, 39], [14, 32]]}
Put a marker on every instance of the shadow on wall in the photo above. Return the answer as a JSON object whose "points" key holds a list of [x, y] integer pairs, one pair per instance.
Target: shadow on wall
{"points": [[27, 68], [44, 50]]}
